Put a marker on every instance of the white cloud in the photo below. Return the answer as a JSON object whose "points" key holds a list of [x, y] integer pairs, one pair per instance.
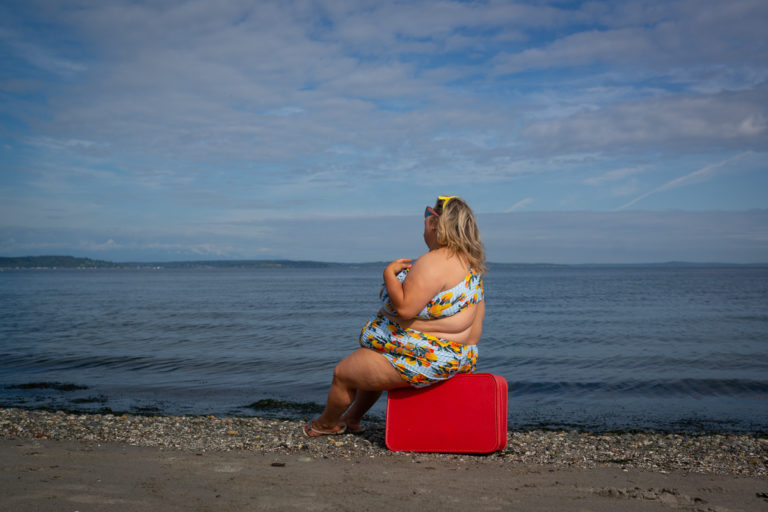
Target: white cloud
{"points": [[703, 174], [615, 175], [676, 123], [523, 203], [627, 237], [109, 245], [659, 37], [38, 55], [63, 143], [752, 125], [579, 49], [285, 111]]}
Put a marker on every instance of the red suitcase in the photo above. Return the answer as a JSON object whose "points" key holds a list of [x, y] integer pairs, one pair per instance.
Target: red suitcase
{"points": [[465, 414]]}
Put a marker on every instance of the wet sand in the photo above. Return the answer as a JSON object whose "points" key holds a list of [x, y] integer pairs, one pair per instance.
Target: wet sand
{"points": [[44, 474]]}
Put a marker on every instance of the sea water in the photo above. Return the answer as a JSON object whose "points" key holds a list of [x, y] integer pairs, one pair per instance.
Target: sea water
{"points": [[644, 347]]}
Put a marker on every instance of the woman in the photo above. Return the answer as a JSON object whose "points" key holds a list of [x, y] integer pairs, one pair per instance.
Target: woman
{"points": [[429, 326]]}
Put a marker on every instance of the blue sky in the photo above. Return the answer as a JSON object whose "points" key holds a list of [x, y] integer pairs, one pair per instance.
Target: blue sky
{"points": [[578, 131]]}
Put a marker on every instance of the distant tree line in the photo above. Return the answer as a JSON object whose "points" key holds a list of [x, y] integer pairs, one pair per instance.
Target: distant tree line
{"points": [[54, 262], [50, 262]]}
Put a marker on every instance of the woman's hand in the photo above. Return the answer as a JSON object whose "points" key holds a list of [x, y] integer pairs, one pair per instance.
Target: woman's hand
{"points": [[396, 267], [393, 285]]}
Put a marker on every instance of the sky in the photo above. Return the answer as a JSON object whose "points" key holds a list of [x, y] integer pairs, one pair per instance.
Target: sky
{"points": [[579, 132]]}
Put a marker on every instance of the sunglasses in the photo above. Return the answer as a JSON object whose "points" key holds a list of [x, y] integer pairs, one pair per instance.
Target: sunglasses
{"points": [[430, 211]]}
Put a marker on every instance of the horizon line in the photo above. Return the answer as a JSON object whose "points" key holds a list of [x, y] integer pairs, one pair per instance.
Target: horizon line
{"points": [[367, 263]]}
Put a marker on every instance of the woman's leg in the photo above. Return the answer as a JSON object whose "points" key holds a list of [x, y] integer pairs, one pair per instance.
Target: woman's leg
{"points": [[364, 373], [364, 400]]}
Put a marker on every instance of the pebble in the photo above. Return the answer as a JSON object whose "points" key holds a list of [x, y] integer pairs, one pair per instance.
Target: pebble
{"points": [[734, 454]]}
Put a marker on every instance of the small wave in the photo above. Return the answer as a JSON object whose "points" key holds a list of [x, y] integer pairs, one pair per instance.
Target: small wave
{"points": [[272, 407], [58, 386], [664, 388], [131, 363]]}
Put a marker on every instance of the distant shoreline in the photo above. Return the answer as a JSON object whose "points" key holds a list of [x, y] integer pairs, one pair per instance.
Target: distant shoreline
{"points": [[71, 262]]}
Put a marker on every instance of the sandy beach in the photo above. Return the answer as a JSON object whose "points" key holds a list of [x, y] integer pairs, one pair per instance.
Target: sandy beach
{"points": [[60, 461]]}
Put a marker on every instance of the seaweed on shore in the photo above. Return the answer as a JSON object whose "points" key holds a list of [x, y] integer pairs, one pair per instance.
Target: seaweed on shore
{"points": [[270, 405], [288, 410], [100, 399], [58, 386]]}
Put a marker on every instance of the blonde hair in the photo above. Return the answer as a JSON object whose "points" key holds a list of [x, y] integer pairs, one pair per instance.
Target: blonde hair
{"points": [[457, 230]]}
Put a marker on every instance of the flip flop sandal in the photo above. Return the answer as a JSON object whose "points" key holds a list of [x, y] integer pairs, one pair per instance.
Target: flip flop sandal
{"points": [[311, 431]]}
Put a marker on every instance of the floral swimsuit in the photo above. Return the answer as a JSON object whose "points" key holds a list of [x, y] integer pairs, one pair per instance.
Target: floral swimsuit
{"points": [[420, 358]]}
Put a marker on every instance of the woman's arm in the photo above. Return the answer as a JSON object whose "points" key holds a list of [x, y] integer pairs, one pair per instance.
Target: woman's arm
{"points": [[425, 280]]}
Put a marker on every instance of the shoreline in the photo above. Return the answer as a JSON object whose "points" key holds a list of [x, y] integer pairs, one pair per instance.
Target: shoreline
{"points": [[52, 461], [270, 408], [722, 454]]}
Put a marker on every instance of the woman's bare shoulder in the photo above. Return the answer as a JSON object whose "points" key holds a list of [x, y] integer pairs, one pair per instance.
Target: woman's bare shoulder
{"points": [[427, 257], [427, 265], [437, 261], [440, 263], [442, 255]]}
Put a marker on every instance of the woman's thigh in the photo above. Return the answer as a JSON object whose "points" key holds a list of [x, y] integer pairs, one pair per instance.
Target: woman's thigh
{"points": [[367, 369]]}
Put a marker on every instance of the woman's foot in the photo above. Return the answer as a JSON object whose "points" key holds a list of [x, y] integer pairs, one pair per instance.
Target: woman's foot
{"points": [[353, 426], [311, 430]]}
